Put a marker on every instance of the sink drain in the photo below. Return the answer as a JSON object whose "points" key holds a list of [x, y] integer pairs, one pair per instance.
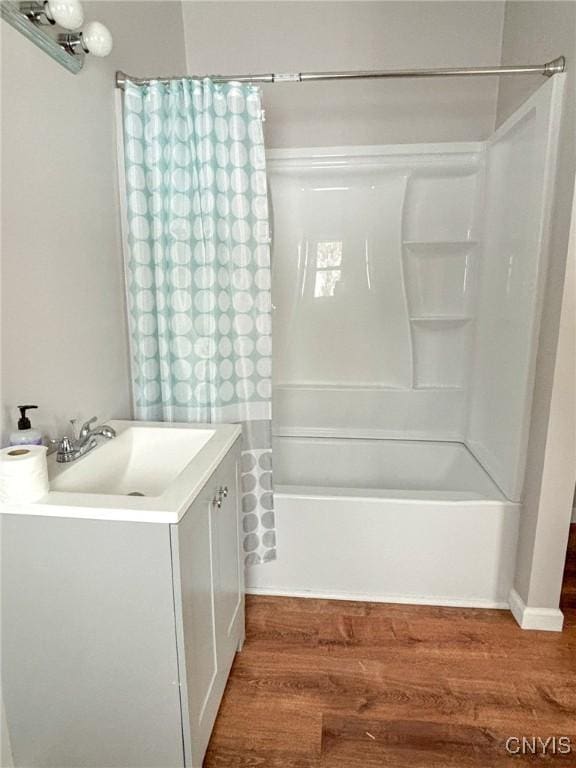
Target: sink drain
{"points": [[135, 493]]}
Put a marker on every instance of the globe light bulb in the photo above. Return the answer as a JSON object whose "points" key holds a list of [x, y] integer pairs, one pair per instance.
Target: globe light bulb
{"points": [[96, 39], [68, 14]]}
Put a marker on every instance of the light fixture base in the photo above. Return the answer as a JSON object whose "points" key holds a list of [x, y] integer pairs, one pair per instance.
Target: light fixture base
{"points": [[71, 42], [36, 11]]}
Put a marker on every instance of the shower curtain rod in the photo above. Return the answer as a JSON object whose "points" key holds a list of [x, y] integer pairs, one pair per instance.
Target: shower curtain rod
{"points": [[550, 68]]}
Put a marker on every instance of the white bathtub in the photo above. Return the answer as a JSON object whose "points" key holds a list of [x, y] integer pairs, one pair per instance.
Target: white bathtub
{"points": [[388, 520]]}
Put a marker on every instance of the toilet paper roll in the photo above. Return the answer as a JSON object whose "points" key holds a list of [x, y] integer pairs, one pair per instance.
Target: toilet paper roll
{"points": [[23, 474]]}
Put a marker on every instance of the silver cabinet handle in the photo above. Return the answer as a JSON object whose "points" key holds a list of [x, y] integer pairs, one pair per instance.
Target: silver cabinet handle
{"points": [[221, 493]]}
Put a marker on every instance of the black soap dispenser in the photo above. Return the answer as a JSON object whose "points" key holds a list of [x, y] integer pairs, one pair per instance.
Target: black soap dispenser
{"points": [[25, 435]]}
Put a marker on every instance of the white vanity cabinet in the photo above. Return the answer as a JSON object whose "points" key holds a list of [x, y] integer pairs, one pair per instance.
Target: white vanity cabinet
{"points": [[118, 635]]}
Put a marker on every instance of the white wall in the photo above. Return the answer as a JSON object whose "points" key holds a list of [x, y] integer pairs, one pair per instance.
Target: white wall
{"points": [[63, 319], [538, 31], [230, 37], [5, 746]]}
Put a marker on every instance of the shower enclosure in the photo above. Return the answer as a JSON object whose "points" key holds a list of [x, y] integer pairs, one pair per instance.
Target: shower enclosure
{"points": [[407, 284]]}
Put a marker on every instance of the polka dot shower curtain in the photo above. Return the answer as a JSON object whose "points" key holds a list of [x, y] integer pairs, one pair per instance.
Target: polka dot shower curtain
{"points": [[198, 271]]}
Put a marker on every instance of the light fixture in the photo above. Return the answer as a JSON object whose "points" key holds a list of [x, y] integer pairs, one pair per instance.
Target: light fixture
{"points": [[68, 14], [95, 38]]}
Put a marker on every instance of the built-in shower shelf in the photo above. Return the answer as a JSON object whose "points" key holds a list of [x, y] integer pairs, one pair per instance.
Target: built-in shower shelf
{"points": [[440, 344], [441, 319], [446, 246], [439, 387]]}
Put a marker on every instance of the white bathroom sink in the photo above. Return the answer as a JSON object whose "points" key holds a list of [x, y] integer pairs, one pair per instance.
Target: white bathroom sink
{"points": [[140, 461], [150, 472]]}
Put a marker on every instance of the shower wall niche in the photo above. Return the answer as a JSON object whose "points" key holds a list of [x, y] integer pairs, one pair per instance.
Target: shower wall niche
{"points": [[439, 257], [375, 282]]}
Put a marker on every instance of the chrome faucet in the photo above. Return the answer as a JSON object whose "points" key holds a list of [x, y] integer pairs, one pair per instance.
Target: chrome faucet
{"points": [[72, 448]]}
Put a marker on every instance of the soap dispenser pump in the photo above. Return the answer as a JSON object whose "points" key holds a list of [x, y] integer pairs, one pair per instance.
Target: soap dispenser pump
{"points": [[25, 434]]}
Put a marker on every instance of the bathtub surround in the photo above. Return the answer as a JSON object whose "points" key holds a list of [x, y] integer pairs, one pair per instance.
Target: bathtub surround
{"points": [[381, 248], [396, 251], [198, 272], [60, 228], [521, 165]]}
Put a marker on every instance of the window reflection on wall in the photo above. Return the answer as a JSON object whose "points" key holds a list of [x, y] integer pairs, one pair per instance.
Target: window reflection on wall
{"points": [[328, 267]]}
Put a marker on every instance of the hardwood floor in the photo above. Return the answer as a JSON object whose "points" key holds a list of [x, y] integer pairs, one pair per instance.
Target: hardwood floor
{"points": [[568, 602], [330, 684]]}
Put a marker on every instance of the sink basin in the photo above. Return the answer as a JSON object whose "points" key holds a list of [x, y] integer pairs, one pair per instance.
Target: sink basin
{"points": [[150, 472], [141, 461]]}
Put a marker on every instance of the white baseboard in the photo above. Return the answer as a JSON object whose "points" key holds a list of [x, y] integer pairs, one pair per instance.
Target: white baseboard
{"points": [[446, 602], [546, 619]]}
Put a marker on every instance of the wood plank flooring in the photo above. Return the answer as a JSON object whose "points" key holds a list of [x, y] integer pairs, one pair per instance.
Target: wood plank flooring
{"points": [[330, 684]]}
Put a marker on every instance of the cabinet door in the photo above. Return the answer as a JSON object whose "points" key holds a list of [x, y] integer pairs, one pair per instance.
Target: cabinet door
{"points": [[194, 566], [229, 575], [209, 602]]}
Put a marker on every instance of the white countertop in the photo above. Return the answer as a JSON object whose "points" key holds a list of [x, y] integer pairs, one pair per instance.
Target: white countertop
{"points": [[169, 507]]}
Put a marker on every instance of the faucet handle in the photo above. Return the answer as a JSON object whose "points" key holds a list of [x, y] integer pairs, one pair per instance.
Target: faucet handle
{"points": [[65, 448], [85, 429]]}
